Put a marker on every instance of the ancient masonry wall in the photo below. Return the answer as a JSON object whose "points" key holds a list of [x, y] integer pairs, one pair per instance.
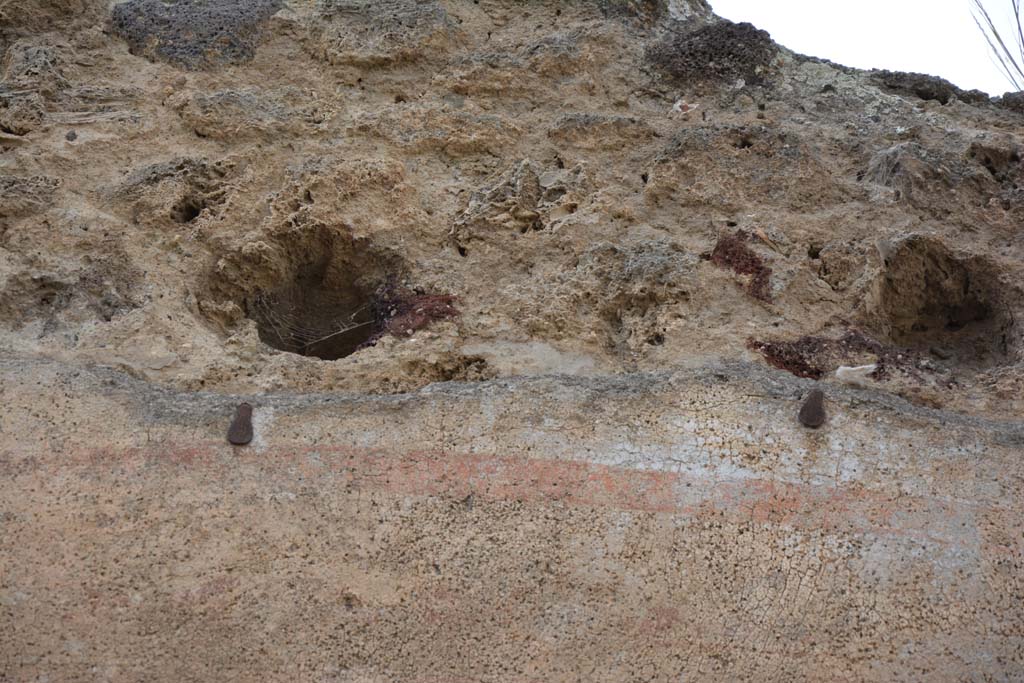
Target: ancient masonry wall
{"points": [[656, 527]]}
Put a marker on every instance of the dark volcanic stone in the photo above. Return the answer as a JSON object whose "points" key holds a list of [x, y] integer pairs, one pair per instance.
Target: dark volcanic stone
{"points": [[240, 431], [925, 87], [812, 412], [719, 53], [193, 34], [1014, 101]]}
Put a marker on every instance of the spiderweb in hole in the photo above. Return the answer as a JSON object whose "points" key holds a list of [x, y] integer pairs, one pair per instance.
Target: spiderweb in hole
{"points": [[316, 321]]}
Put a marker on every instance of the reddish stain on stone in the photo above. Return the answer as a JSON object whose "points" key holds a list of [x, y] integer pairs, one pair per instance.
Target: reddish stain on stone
{"points": [[823, 507]]}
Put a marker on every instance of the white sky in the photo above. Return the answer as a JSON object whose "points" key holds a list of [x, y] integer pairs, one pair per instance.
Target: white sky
{"points": [[935, 37]]}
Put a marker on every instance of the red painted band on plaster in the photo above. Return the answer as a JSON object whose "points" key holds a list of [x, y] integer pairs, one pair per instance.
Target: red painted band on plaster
{"points": [[851, 508]]}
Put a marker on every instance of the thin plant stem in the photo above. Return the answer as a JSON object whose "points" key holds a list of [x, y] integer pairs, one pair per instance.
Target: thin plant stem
{"points": [[1010, 59]]}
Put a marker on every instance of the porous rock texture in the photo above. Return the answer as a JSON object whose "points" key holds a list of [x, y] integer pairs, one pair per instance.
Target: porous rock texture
{"points": [[526, 298]]}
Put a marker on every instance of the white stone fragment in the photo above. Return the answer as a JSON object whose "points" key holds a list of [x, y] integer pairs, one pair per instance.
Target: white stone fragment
{"points": [[855, 375]]}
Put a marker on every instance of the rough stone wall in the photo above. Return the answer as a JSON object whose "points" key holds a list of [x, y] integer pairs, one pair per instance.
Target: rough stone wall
{"points": [[526, 297], [682, 526]]}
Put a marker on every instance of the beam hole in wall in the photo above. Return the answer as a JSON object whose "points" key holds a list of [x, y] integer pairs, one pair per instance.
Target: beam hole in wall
{"points": [[930, 299]]}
